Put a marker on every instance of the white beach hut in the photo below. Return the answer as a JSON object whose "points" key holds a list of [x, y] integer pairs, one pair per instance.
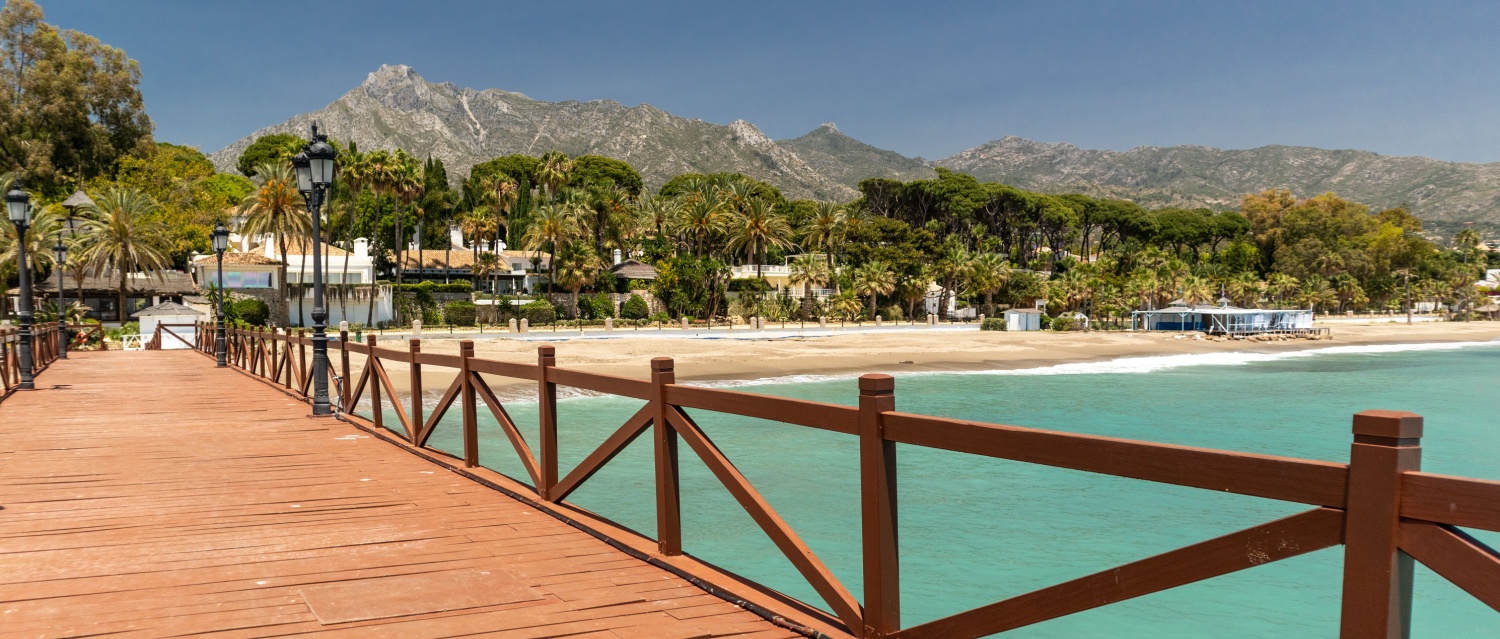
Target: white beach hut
{"points": [[177, 318], [1023, 319]]}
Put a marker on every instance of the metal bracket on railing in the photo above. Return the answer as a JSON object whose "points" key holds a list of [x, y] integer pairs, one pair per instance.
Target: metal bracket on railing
{"points": [[338, 393]]}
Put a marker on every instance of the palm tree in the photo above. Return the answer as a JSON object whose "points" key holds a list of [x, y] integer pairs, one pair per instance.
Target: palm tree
{"points": [[552, 226], [354, 170], [824, 229], [1280, 285], [407, 185], [379, 176], [913, 287], [807, 270], [553, 172], [952, 268], [1316, 292], [846, 305], [38, 242], [700, 218], [655, 214], [1196, 290], [275, 208], [874, 278], [987, 273], [758, 228], [506, 194], [475, 226], [486, 266], [121, 236], [1245, 288], [576, 268]]}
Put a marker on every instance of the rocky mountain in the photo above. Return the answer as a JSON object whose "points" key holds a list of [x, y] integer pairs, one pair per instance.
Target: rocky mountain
{"points": [[395, 107], [847, 160], [1205, 176]]}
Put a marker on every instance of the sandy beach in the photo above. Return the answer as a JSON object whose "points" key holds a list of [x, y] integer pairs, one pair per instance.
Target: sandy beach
{"points": [[901, 352]]}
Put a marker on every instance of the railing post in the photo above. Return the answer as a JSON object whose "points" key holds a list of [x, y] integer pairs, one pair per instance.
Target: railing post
{"points": [[1378, 576], [376, 414], [302, 362], [470, 410], [877, 488], [344, 370], [546, 357], [668, 504], [414, 346]]}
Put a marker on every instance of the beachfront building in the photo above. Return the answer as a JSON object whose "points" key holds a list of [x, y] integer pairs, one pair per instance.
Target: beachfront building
{"points": [[101, 293], [1023, 319], [515, 272], [1223, 320], [252, 268], [178, 320]]}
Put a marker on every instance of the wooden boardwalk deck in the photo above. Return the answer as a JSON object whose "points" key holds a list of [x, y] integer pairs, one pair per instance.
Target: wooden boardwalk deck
{"points": [[149, 494]]}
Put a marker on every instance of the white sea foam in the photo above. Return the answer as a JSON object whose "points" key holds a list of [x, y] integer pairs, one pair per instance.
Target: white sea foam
{"points": [[1125, 365]]}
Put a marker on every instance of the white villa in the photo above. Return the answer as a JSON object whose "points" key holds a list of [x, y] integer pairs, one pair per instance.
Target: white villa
{"points": [[252, 268]]}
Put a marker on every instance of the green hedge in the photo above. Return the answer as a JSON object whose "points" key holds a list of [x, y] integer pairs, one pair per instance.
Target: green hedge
{"points": [[460, 313], [539, 312], [992, 324], [434, 287]]}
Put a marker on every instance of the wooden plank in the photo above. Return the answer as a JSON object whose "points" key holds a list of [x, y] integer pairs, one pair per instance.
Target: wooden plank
{"points": [[1473, 503], [813, 570], [610, 384], [839, 419], [517, 442], [503, 369], [616, 442], [1295, 480], [1459, 558], [1288, 537]]}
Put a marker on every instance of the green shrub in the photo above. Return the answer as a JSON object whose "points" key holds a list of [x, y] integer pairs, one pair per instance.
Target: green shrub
{"points": [[661, 317], [539, 312], [434, 287], [1062, 323], [459, 313], [893, 313], [1044, 322], [597, 306], [635, 308], [249, 310], [992, 324]]}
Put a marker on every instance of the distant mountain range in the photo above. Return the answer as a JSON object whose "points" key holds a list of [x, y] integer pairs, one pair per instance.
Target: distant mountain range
{"points": [[395, 107]]}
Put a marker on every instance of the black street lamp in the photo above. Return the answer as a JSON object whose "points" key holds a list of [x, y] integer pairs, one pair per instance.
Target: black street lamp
{"points": [[60, 256], [220, 244], [18, 206], [315, 166]]}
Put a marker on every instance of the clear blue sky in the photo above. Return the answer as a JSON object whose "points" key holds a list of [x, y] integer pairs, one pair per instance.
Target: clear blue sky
{"points": [[930, 79]]}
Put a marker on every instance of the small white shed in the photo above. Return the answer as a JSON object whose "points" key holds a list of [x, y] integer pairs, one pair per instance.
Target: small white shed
{"points": [[1023, 319], [180, 320]]}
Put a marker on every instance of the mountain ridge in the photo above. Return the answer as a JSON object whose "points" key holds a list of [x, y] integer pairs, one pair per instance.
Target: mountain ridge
{"points": [[396, 107]]}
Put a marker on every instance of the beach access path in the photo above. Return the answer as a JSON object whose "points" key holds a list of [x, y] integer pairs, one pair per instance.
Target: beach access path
{"points": [[150, 494]]}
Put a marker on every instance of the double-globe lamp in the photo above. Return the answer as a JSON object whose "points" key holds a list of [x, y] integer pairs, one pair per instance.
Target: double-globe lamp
{"points": [[220, 240], [18, 207], [315, 166]]}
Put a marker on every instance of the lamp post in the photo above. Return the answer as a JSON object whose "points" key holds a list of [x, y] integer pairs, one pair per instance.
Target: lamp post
{"points": [[18, 206], [60, 255], [315, 166], [220, 244]]}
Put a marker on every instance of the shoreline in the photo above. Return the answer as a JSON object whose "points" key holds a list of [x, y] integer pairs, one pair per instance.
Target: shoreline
{"points": [[908, 352]]}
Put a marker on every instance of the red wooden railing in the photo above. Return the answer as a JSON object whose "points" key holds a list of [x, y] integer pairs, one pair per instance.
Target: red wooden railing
{"points": [[44, 349], [1379, 506]]}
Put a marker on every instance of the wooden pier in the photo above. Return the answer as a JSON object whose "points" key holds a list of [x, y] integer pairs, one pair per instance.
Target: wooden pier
{"points": [[150, 494], [153, 494]]}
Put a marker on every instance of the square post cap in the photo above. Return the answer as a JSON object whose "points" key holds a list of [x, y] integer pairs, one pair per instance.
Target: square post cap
{"points": [[1388, 424]]}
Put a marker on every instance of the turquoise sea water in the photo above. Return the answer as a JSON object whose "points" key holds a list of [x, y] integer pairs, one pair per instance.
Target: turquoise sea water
{"points": [[977, 530]]}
